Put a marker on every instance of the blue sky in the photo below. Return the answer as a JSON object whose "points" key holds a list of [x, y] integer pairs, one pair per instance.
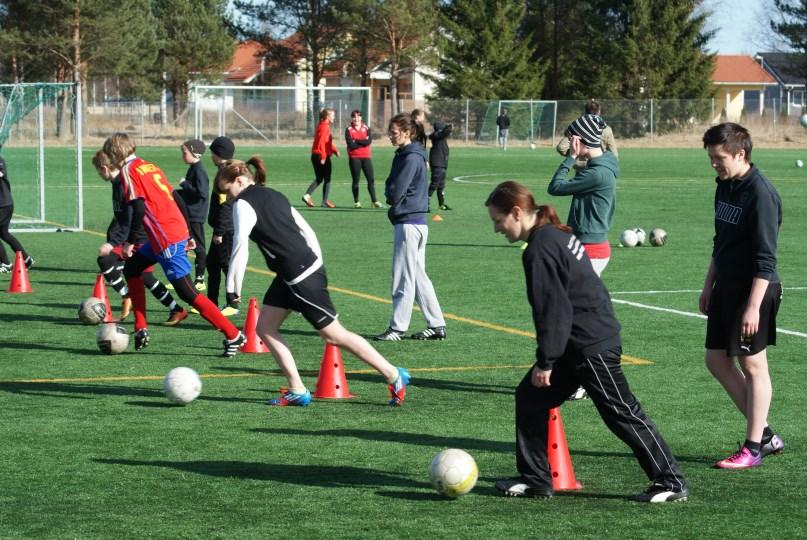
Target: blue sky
{"points": [[737, 24]]}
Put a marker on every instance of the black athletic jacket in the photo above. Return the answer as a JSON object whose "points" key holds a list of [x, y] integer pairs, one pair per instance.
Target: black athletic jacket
{"points": [[118, 231], [194, 192], [220, 216], [5, 186], [748, 214], [571, 308], [438, 155]]}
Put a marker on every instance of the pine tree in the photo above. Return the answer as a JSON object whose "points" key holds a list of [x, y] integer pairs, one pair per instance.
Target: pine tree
{"points": [[194, 44], [484, 54], [791, 25]]}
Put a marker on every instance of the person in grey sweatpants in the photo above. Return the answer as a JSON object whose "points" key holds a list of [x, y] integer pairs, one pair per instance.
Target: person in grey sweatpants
{"points": [[406, 191]]}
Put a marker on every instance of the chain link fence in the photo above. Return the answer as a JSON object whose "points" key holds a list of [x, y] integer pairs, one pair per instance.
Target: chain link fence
{"points": [[651, 121]]}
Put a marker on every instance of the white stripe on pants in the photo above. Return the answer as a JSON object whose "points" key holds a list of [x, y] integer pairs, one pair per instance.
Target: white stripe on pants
{"points": [[409, 280]]}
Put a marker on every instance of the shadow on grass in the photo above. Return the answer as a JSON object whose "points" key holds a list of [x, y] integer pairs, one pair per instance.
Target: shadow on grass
{"points": [[84, 271], [27, 346], [304, 475], [451, 244], [419, 439]]}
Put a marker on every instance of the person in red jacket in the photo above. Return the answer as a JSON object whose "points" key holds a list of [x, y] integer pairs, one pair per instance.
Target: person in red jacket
{"points": [[358, 138], [321, 152]]}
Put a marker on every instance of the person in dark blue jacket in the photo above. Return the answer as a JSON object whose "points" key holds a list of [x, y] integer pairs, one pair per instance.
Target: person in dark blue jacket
{"points": [[742, 292], [6, 211], [194, 189], [406, 190], [438, 162]]}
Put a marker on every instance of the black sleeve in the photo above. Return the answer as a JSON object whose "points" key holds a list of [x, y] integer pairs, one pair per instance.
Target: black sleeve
{"points": [[118, 231], [225, 221], [765, 218], [551, 308], [184, 209], [368, 141], [136, 226], [196, 184], [349, 140]]}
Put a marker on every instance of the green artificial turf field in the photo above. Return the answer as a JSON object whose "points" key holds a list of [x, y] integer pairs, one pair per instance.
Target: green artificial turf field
{"points": [[90, 447]]}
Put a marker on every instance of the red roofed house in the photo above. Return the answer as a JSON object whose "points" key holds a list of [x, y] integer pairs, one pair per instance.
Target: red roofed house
{"points": [[740, 84]]}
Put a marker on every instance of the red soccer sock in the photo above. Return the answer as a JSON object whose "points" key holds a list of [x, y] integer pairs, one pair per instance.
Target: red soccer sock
{"points": [[137, 292], [210, 312]]}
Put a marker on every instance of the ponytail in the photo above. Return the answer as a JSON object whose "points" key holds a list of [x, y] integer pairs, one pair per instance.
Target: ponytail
{"points": [[259, 168], [546, 215], [231, 169], [509, 194]]}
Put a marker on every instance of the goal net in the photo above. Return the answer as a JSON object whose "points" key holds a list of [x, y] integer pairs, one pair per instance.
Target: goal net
{"points": [[43, 155], [257, 115], [531, 121]]}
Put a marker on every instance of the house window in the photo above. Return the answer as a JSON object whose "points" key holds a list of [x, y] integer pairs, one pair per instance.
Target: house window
{"points": [[383, 93], [797, 98]]}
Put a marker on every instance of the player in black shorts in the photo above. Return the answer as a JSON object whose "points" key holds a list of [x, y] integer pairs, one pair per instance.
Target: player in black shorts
{"points": [[741, 293], [292, 251]]}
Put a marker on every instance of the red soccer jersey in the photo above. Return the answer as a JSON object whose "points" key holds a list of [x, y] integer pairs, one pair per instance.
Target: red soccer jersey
{"points": [[323, 140], [164, 223]]}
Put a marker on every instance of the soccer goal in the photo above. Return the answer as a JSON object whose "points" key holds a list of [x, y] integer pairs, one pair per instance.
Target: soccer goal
{"points": [[531, 121], [40, 134], [271, 114]]}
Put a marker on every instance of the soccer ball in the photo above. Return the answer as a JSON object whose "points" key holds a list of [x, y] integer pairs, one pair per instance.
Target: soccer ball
{"points": [[628, 238], [803, 120], [658, 237], [453, 472], [92, 311], [641, 237], [532, 146], [799, 163], [112, 338], [182, 385]]}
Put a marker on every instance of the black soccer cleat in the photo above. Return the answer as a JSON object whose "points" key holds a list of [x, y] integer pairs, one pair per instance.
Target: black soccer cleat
{"points": [[390, 335], [435, 333], [659, 493], [231, 346], [520, 487], [142, 339]]}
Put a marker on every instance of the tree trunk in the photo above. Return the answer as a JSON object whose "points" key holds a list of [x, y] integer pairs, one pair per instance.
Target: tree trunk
{"points": [[76, 42], [395, 106]]}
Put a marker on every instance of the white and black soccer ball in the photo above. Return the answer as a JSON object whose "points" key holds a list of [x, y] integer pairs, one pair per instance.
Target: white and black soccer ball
{"points": [[112, 338], [182, 385], [628, 238], [453, 472], [532, 146], [92, 311], [641, 237], [658, 237], [803, 120], [799, 163]]}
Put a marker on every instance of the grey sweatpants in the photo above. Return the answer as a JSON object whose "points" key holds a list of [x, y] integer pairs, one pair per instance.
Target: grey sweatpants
{"points": [[409, 280]]}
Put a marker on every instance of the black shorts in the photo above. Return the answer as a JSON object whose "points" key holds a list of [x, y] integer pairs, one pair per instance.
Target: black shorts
{"points": [[725, 314], [309, 297]]}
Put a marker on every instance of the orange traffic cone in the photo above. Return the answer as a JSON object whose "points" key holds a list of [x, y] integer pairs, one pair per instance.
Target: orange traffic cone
{"points": [[99, 291], [254, 344], [331, 383], [19, 276], [437, 217], [558, 452]]}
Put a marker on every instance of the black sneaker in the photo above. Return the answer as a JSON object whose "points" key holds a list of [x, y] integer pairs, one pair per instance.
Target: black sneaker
{"points": [[141, 339], [519, 487], [659, 493], [231, 346], [438, 332], [445, 207], [29, 262], [390, 335], [5, 268]]}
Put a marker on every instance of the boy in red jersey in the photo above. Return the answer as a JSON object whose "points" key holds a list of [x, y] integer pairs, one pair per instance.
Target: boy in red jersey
{"points": [[155, 208]]}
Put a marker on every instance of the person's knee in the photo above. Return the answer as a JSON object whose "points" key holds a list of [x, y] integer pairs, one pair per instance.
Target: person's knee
{"points": [[186, 291]]}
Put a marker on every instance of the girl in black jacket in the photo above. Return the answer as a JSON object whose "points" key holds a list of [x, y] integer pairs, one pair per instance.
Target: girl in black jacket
{"points": [[6, 211], [578, 344]]}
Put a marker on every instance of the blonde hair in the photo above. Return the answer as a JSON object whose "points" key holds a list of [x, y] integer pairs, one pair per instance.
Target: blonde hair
{"points": [[233, 168], [118, 147]]}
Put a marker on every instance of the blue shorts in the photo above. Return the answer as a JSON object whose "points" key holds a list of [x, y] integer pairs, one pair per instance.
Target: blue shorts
{"points": [[173, 260]]}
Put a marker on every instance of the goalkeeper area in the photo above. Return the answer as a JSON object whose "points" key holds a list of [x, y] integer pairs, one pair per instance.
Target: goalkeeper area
{"points": [[38, 133], [531, 121], [259, 115]]}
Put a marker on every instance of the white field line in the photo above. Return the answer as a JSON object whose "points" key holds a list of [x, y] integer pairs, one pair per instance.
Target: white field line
{"points": [[692, 314], [691, 291]]}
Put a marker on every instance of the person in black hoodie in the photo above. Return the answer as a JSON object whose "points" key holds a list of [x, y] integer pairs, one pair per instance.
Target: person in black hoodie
{"points": [[193, 190], [220, 218], [408, 199], [578, 343], [438, 162], [742, 292], [6, 211]]}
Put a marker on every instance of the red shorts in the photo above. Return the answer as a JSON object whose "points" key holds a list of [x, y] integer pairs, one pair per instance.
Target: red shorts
{"points": [[601, 250]]}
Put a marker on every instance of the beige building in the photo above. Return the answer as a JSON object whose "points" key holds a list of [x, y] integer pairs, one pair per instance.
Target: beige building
{"points": [[740, 84]]}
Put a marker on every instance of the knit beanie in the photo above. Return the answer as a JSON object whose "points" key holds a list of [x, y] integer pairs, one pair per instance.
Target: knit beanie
{"points": [[223, 147], [589, 128], [196, 147]]}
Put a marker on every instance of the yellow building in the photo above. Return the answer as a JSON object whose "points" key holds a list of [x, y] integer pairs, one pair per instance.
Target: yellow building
{"points": [[740, 84]]}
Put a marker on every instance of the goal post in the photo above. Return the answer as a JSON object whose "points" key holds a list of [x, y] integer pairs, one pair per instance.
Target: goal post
{"points": [[531, 121], [40, 134], [271, 114]]}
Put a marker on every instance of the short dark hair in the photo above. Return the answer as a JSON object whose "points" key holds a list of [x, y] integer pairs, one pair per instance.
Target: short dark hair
{"points": [[733, 137], [592, 107], [355, 112]]}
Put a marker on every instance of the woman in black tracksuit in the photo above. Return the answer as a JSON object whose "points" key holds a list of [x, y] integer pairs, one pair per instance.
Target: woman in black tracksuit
{"points": [[6, 211], [578, 343]]}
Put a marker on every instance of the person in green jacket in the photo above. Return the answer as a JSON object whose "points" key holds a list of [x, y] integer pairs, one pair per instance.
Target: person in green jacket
{"points": [[593, 191], [593, 188]]}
